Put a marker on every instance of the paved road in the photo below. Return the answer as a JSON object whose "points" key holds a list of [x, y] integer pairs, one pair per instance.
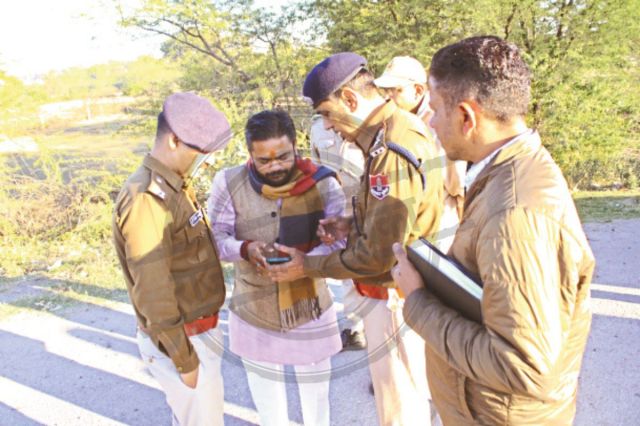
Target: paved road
{"points": [[80, 366]]}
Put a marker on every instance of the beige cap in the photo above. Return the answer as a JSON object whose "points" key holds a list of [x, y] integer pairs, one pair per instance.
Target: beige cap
{"points": [[402, 70]]}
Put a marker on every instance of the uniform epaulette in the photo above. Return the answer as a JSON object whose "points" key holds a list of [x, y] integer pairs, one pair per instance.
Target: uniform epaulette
{"points": [[155, 187], [408, 155], [376, 151]]}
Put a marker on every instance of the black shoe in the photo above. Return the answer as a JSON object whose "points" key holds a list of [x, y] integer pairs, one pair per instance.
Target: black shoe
{"points": [[371, 391], [353, 341]]}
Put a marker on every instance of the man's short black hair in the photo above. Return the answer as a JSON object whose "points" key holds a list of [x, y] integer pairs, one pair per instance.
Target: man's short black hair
{"points": [[361, 83], [269, 124], [163, 127], [486, 69]]}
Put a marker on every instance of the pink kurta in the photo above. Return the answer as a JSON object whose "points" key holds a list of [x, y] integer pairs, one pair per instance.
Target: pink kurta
{"points": [[307, 344]]}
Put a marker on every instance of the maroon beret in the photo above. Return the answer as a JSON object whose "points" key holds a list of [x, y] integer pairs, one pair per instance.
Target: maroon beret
{"points": [[196, 122]]}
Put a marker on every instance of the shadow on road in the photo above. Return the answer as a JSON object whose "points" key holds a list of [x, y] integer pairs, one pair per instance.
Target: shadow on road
{"points": [[11, 416], [27, 362], [73, 382], [610, 295]]}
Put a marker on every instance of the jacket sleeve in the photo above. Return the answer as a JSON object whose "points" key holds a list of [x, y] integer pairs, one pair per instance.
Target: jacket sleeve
{"points": [[145, 227], [334, 203], [386, 221], [517, 348]]}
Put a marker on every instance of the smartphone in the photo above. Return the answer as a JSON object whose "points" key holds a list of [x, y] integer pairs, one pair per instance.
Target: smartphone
{"points": [[278, 260]]}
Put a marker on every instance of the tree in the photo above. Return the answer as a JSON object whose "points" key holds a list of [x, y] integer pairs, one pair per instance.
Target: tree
{"points": [[582, 54], [208, 27], [254, 54], [18, 104], [380, 30]]}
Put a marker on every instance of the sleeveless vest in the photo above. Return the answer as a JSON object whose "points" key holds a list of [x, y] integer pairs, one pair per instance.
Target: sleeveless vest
{"points": [[254, 297]]}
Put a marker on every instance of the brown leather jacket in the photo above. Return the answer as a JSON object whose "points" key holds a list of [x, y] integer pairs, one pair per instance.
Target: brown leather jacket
{"points": [[521, 235], [168, 258]]}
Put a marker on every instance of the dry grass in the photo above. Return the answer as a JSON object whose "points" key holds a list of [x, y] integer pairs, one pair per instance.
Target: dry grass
{"points": [[55, 212], [603, 206]]}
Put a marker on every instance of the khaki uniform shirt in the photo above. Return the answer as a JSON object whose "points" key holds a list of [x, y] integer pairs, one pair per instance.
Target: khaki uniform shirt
{"points": [[396, 202], [168, 257], [453, 173]]}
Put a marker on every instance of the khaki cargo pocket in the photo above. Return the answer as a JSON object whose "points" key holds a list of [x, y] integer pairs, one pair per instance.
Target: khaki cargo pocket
{"points": [[195, 232]]}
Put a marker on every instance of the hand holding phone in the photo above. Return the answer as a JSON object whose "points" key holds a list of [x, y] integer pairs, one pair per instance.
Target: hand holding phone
{"points": [[273, 256]]}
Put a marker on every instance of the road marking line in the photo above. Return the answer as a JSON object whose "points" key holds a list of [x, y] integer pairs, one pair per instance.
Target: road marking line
{"points": [[616, 289], [47, 409]]}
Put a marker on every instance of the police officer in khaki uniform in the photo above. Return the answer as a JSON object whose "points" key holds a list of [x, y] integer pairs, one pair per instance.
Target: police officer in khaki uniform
{"points": [[405, 80], [170, 263], [400, 197]]}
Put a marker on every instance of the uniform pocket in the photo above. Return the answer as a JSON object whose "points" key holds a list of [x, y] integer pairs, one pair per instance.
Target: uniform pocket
{"points": [[196, 232], [190, 247]]}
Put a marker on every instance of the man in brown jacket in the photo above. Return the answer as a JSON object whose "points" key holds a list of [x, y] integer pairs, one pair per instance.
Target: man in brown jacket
{"points": [[170, 263], [521, 235], [400, 198]]}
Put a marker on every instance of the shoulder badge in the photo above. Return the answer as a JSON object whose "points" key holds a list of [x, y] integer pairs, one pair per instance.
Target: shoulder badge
{"points": [[195, 218], [378, 146], [379, 186], [155, 189]]}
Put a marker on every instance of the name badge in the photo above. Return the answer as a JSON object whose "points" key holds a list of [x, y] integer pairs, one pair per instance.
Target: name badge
{"points": [[195, 218]]}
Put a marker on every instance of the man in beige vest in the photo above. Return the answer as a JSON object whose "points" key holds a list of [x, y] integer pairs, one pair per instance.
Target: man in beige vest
{"points": [[405, 81], [521, 235], [278, 197]]}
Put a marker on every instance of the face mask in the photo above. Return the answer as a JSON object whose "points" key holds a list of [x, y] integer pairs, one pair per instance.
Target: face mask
{"points": [[196, 168]]}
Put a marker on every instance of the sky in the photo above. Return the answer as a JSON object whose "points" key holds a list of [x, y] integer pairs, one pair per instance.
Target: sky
{"points": [[37, 36]]}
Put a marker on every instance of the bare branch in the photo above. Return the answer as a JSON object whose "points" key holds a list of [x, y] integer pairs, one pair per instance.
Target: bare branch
{"points": [[173, 37], [507, 26]]}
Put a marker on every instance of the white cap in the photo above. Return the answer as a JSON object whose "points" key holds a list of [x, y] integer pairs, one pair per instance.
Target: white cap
{"points": [[402, 70]]}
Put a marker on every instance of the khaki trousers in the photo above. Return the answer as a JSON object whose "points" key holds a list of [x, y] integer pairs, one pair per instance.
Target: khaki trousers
{"points": [[398, 367], [203, 405], [352, 302]]}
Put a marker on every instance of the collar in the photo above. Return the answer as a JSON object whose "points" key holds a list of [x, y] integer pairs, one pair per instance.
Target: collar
{"points": [[477, 168], [172, 178], [423, 108], [366, 133]]}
